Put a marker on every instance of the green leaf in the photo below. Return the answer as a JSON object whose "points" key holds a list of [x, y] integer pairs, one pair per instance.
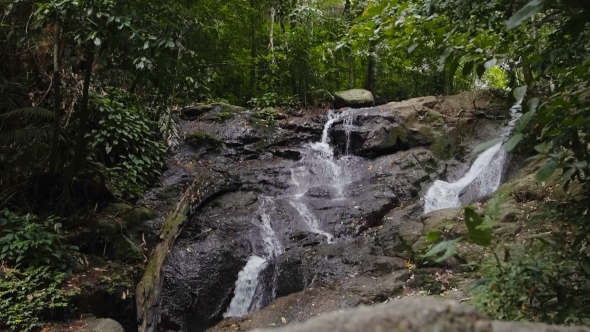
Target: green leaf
{"points": [[524, 13], [488, 144], [482, 237], [468, 68], [513, 142], [519, 92], [480, 70], [445, 55], [541, 147], [372, 10], [545, 172], [412, 48], [448, 247]]}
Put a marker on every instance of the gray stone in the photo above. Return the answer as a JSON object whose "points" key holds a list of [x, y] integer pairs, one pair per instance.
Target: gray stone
{"points": [[103, 325], [418, 314], [355, 98]]}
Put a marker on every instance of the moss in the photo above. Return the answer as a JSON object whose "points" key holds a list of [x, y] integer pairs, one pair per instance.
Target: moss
{"points": [[397, 134], [442, 147], [202, 139], [128, 251]]}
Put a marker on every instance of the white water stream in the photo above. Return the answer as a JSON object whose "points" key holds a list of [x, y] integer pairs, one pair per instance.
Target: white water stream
{"points": [[483, 178], [317, 167]]}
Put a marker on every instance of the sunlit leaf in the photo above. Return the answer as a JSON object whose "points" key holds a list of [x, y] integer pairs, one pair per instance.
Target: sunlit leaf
{"points": [[488, 144], [519, 92], [513, 142], [490, 64], [524, 13]]}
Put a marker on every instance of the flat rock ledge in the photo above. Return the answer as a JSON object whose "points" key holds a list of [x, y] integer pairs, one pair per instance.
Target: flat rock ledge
{"points": [[418, 314]]}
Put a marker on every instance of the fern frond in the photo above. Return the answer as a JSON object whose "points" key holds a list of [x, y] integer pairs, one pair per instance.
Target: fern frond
{"points": [[26, 134], [30, 112]]}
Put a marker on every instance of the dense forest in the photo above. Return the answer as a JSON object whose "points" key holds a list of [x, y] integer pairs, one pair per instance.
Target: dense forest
{"points": [[90, 93]]}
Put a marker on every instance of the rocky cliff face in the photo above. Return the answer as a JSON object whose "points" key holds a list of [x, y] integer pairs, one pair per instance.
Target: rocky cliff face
{"points": [[342, 213]]}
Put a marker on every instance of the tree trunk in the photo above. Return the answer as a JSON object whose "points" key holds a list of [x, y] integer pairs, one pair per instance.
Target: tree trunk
{"points": [[348, 16], [54, 157], [271, 44], [371, 82], [80, 148], [149, 289], [253, 51]]}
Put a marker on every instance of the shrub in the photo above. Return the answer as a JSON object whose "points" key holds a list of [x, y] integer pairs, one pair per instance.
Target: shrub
{"points": [[28, 296], [26, 241], [129, 144]]}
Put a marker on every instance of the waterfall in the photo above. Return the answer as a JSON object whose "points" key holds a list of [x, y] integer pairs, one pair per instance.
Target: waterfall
{"points": [[318, 166], [249, 278], [483, 178], [310, 220]]}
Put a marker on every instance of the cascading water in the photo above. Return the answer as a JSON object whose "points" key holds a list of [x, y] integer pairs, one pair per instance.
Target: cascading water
{"points": [[483, 178], [317, 167], [249, 278], [311, 221]]}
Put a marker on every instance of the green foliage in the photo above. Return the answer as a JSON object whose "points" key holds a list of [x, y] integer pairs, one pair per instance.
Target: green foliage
{"points": [[495, 78], [28, 296], [268, 114], [26, 241], [479, 233], [127, 142], [542, 284], [444, 250]]}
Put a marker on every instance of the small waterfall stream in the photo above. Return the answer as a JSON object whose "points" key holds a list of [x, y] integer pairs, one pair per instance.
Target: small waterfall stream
{"points": [[249, 277], [318, 167], [483, 178]]}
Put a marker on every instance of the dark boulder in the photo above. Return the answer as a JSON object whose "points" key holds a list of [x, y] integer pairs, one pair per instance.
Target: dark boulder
{"points": [[199, 279]]}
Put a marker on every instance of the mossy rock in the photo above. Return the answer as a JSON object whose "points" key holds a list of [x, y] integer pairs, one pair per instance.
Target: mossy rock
{"points": [[355, 98], [129, 216], [128, 251], [442, 147], [225, 112], [397, 135], [201, 139], [107, 228], [444, 220]]}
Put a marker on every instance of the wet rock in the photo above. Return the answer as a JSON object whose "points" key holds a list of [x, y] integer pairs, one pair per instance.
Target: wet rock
{"points": [[199, 279], [355, 98], [103, 325], [322, 191], [294, 308], [415, 315], [193, 112], [286, 153], [392, 127]]}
